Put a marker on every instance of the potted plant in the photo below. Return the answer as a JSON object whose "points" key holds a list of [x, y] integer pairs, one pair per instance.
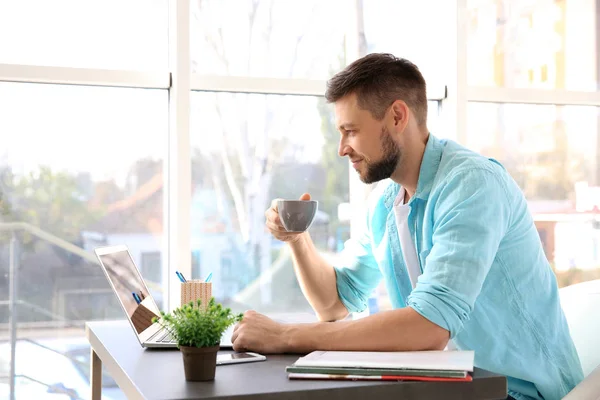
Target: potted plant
{"points": [[197, 331]]}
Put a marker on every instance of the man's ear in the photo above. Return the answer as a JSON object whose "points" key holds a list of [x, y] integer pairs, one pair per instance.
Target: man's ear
{"points": [[400, 114]]}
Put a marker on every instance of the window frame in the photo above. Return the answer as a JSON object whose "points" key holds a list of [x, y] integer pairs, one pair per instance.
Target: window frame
{"points": [[180, 83], [505, 95]]}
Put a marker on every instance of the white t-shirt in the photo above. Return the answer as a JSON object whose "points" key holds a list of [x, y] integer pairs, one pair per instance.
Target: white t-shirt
{"points": [[409, 252]]}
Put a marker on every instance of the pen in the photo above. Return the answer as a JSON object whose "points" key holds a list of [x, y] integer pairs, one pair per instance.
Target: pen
{"points": [[208, 278], [180, 276], [136, 298]]}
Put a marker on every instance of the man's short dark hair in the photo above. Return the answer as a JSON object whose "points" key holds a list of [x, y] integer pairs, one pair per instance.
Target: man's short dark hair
{"points": [[378, 80]]}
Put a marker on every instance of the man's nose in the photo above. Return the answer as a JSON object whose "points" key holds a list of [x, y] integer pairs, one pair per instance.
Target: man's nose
{"points": [[343, 149]]}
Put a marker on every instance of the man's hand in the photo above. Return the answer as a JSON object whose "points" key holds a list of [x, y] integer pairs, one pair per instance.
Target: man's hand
{"points": [[259, 333], [402, 329], [274, 225]]}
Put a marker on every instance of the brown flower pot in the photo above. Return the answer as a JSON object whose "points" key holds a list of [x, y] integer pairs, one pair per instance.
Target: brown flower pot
{"points": [[199, 363]]}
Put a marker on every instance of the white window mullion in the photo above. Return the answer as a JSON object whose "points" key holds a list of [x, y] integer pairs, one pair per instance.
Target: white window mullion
{"points": [[84, 76], [282, 86], [461, 70], [532, 96], [177, 164], [453, 116]]}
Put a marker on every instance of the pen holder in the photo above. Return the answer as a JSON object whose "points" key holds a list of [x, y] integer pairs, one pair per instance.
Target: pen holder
{"points": [[194, 290]]}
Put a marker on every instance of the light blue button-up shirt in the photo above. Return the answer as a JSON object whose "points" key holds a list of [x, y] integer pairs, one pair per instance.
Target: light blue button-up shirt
{"points": [[485, 277]]}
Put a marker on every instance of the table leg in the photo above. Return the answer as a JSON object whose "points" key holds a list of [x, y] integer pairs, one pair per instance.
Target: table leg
{"points": [[95, 375]]}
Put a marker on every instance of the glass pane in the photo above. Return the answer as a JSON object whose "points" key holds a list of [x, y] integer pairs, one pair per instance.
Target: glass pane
{"points": [[247, 150], [434, 124], [552, 153], [111, 34], [279, 39], [543, 44], [412, 19], [84, 165]]}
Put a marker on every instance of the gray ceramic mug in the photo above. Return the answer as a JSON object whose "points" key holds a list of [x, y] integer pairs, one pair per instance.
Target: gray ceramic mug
{"points": [[297, 215]]}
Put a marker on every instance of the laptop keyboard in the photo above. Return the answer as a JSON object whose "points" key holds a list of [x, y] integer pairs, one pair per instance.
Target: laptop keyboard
{"points": [[163, 337], [166, 338]]}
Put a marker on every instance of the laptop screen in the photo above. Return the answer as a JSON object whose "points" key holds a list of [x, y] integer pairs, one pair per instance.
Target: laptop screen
{"points": [[130, 288]]}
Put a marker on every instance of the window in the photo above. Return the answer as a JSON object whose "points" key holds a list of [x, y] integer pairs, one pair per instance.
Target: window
{"points": [[152, 267], [111, 34], [276, 39], [389, 31], [261, 147], [89, 304], [226, 265], [547, 149], [196, 263], [543, 44], [83, 165], [552, 153], [83, 161], [531, 66], [433, 120]]}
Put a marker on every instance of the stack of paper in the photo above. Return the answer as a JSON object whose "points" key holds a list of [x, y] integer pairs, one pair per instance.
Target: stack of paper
{"points": [[448, 366]]}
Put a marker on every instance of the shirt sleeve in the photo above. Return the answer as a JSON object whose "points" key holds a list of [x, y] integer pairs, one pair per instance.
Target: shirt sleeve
{"points": [[471, 217], [357, 272]]}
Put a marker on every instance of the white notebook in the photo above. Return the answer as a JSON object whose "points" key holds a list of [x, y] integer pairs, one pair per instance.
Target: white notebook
{"points": [[436, 360]]}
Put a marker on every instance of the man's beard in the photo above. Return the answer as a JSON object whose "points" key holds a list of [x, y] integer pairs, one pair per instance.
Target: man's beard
{"points": [[384, 168]]}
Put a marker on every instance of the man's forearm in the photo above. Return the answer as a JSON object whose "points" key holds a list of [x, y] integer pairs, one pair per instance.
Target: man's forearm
{"points": [[397, 330], [317, 280]]}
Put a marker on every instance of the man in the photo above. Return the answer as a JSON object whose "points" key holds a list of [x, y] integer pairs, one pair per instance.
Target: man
{"points": [[451, 235]]}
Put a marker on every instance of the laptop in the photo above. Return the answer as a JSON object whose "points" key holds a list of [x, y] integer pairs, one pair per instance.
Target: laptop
{"points": [[135, 298]]}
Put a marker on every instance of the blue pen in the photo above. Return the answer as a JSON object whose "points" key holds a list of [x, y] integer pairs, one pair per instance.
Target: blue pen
{"points": [[180, 276], [208, 278], [136, 298]]}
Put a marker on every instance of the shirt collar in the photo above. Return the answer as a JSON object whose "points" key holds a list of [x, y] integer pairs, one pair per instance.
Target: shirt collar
{"points": [[427, 173]]}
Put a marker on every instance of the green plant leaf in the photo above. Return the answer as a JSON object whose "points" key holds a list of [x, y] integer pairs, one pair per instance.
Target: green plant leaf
{"points": [[192, 325]]}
